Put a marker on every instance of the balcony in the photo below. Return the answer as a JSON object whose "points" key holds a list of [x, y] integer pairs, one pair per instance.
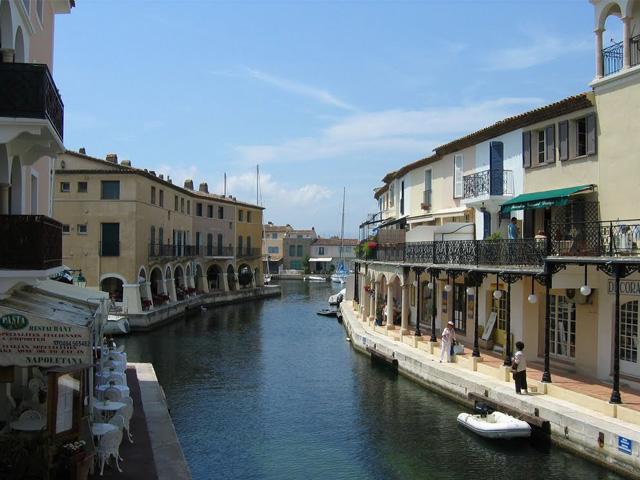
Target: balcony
{"points": [[28, 91], [30, 242], [248, 252], [173, 250], [589, 239], [484, 183], [612, 56]]}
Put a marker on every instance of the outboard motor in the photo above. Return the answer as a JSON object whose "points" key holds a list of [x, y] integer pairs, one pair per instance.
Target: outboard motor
{"points": [[483, 409]]}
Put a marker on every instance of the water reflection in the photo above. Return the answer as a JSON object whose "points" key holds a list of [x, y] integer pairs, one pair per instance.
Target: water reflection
{"points": [[270, 390]]}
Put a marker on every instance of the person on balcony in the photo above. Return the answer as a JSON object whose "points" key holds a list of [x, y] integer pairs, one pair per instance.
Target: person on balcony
{"points": [[513, 229]]}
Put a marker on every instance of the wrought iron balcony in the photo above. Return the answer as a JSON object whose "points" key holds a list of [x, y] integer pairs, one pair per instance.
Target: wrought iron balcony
{"points": [[486, 183], [603, 238], [30, 242], [248, 252], [28, 91], [612, 56], [168, 250]]}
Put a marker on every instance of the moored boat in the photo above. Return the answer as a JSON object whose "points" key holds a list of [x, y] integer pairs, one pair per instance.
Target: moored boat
{"points": [[326, 312], [116, 325], [495, 425], [338, 297]]}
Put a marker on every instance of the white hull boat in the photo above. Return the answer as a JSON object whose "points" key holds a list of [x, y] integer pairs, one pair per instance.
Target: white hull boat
{"points": [[495, 425], [116, 325], [338, 297], [312, 278]]}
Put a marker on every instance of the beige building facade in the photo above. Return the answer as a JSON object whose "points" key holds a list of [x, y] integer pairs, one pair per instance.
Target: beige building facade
{"points": [[146, 241]]}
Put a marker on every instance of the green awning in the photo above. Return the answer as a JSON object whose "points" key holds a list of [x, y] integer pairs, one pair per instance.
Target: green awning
{"points": [[548, 198]]}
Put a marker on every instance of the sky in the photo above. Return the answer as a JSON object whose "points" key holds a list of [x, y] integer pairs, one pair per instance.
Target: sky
{"points": [[324, 97]]}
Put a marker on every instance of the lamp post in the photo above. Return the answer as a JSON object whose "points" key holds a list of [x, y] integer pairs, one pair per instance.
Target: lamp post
{"points": [[434, 307], [79, 281], [418, 272]]}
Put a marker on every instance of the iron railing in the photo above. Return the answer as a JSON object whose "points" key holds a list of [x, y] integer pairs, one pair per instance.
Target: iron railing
{"points": [[30, 242], [605, 238], [28, 91], [484, 183], [248, 252], [169, 250], [613, 56]]}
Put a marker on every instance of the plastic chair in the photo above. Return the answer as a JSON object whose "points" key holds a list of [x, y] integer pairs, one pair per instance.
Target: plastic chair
{"points": [[109, 446], [111, 393], [35, 385], [121, 348], [30, 415], [127, 413], [127, 401]]}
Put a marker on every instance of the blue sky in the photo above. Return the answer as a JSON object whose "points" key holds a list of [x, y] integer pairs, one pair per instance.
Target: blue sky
{"points": [[320, 94]]}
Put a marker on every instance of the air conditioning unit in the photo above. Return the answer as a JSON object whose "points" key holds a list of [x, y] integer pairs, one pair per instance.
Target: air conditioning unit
{"points": [[575, 296]]}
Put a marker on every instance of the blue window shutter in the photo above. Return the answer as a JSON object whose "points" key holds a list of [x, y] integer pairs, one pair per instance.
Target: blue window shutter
{"points": [[563, 140], [526, 149], [591, 134]]}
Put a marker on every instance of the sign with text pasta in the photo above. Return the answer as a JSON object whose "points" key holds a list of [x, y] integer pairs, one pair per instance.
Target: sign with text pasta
{"points": [[27, 339]]}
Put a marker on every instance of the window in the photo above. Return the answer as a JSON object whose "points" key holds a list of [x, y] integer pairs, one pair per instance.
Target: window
{"points": [[153, 195], [499, 307], [240, 215], [66, 229], [320, 250], [240, 245], [392, 194], [629, 331], [182, 205], [428, 179], [82, 229], [274, 235], [273, 249], [459, 307], [175, 206], [152, 241], [458, 161], [188, 207], [220, 213], [209, 251], [82, 187], [299, 251], [198, 209], [248, 245], [110, 190], [161, 198], [220, 243], [110, 239], [198, 242], [577, 138], [563, 327], [248, 217], [292, 250], [65, 187], [210, 211]]}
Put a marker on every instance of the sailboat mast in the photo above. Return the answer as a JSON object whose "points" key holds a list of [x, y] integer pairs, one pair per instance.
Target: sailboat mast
{"points": [[342, 229]]}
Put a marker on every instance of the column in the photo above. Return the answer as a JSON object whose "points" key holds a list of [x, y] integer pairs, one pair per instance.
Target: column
{"points": [[224, 282], [4, 198], [599, 59], [626, 44], [204, 283], [8, 55], [389, 306], [171, 290], [404, 323], [131, 297], [145, 291]]}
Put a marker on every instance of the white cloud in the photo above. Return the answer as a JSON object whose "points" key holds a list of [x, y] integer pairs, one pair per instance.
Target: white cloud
{"points": [[304, 90]]}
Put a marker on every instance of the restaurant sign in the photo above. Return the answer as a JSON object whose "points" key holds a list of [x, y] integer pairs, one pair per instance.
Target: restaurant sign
{"points": [[627, 287], [27, 340]]}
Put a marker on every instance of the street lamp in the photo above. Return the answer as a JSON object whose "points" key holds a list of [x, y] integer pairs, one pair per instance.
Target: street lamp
{"points": [[532, 298], [497, 293], [585, 289], [79, 281]]}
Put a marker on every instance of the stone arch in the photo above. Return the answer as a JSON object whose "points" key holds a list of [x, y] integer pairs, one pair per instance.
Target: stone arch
{"points": [[214, 273], [245, 276], [112, 283], [16, 187], [20, 47], [6, 26], [155, 278]]}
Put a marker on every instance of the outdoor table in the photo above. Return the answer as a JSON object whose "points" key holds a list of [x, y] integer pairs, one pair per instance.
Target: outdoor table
{"points": [[30, 425], [118, 365], [108, 407], [100, 390], [100, 429], [102, 378]]}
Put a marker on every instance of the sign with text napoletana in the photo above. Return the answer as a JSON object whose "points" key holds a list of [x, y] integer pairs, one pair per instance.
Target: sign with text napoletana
{"points": [[27, 340], [627, 287]]}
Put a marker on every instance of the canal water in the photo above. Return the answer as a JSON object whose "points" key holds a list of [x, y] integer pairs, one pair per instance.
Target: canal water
{"points": [[271, 390]]}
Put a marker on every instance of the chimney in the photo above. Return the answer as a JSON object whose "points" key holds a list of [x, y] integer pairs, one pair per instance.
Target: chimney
{"points": [[204, 188], [82, 151], [112, 157], [168, 179], [188, 184], [161, 176], [126, 163]]}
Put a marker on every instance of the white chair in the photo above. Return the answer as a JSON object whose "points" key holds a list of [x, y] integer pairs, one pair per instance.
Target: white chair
{"points": [[121, 348], [118, 421], [35, 385], [127, 401], [30, 415], [112, 394], [115, 380], [37, 373], [127, 413], [109, 446]]}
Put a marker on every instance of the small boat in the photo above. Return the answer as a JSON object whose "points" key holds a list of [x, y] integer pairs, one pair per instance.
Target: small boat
{"points": [[314, 278], [495, 425], [326, 312], [116, 325], [338, 297]]}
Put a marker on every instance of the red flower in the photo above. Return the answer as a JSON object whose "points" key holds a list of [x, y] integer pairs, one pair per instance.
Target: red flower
{"points": [[372, 245]]}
